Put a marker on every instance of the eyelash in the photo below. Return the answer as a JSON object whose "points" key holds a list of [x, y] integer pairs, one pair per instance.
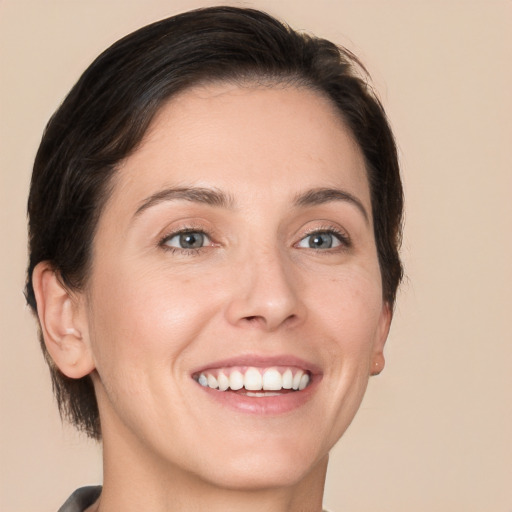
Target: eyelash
{"points": [[342, 237], [181, 250]]}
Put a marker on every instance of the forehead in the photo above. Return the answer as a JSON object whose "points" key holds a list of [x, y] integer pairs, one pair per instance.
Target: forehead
{"points": [[255, 140]]}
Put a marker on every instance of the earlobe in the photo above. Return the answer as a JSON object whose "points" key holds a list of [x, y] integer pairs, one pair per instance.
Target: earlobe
{"points": [[378, 362], [62, 324]]}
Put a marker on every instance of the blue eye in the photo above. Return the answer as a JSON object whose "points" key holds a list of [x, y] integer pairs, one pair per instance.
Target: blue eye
{"points": [[321, 240], [187, 240]]}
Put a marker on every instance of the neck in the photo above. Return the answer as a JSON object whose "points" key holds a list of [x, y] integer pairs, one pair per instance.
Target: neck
{"points": [[133, 483]]}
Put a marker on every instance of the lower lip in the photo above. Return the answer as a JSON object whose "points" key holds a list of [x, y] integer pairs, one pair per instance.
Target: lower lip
{"points": [[269, 405]]}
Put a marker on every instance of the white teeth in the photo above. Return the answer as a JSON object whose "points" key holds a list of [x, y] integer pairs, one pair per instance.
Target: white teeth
{"points": [[287, 379], [212, 382], [304, 381], [296, 379], [236, 380], [253, 380], [260, 394], [272, 380], [223, 381]]}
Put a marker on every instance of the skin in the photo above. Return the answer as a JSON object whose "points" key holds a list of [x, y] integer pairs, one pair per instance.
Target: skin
{"points": [[152, 313]]}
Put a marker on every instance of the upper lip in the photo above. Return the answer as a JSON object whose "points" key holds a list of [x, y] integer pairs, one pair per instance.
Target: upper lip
{"points": [[259, 361]]}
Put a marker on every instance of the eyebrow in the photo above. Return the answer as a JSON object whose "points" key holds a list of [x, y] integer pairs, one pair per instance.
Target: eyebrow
{"points": [[219, 199], [209, 196], [318, 196]]}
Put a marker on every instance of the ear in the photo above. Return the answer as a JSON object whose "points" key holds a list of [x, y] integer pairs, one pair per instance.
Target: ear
{"points": [[381, 335], [63, 323]]}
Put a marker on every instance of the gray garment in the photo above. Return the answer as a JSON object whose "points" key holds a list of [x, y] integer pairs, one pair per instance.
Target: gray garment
{"points": [[81, 499]]}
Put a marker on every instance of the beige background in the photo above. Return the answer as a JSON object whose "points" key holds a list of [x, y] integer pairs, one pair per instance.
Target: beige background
{"points": [[434, 432]]}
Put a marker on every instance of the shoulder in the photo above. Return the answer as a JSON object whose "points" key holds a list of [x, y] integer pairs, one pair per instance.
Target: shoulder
{"points": [[81, 499]]}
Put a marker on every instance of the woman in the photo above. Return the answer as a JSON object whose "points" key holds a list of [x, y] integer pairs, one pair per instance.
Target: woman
{"points": [[214, 219]]}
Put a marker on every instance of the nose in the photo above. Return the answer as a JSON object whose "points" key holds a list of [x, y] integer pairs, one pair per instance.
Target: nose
{"points": [[266, 293]]}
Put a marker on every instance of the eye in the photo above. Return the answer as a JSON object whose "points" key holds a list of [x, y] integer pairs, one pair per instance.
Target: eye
{"points": [[187, 240], [322, 240]]}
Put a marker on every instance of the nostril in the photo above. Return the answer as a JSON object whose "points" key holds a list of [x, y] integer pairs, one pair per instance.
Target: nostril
{"points": [[254, 319], [259, 321]]}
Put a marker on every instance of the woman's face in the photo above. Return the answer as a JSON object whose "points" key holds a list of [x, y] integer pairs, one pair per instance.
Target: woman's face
{"points": [[236, 249]]}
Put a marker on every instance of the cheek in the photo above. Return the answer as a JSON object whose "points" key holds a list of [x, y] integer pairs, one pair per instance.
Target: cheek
{"points": [[149, 317], [351, 313], [351, 304]]}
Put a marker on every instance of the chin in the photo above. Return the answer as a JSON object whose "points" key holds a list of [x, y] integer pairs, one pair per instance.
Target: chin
{"points": [[264, 472], [265, 462]]}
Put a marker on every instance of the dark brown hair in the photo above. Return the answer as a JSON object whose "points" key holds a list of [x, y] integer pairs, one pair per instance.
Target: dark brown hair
{"points": [[106, 114]]}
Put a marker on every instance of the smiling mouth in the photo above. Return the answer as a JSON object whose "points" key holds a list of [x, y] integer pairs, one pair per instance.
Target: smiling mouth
{"points": [[255, 382]]}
